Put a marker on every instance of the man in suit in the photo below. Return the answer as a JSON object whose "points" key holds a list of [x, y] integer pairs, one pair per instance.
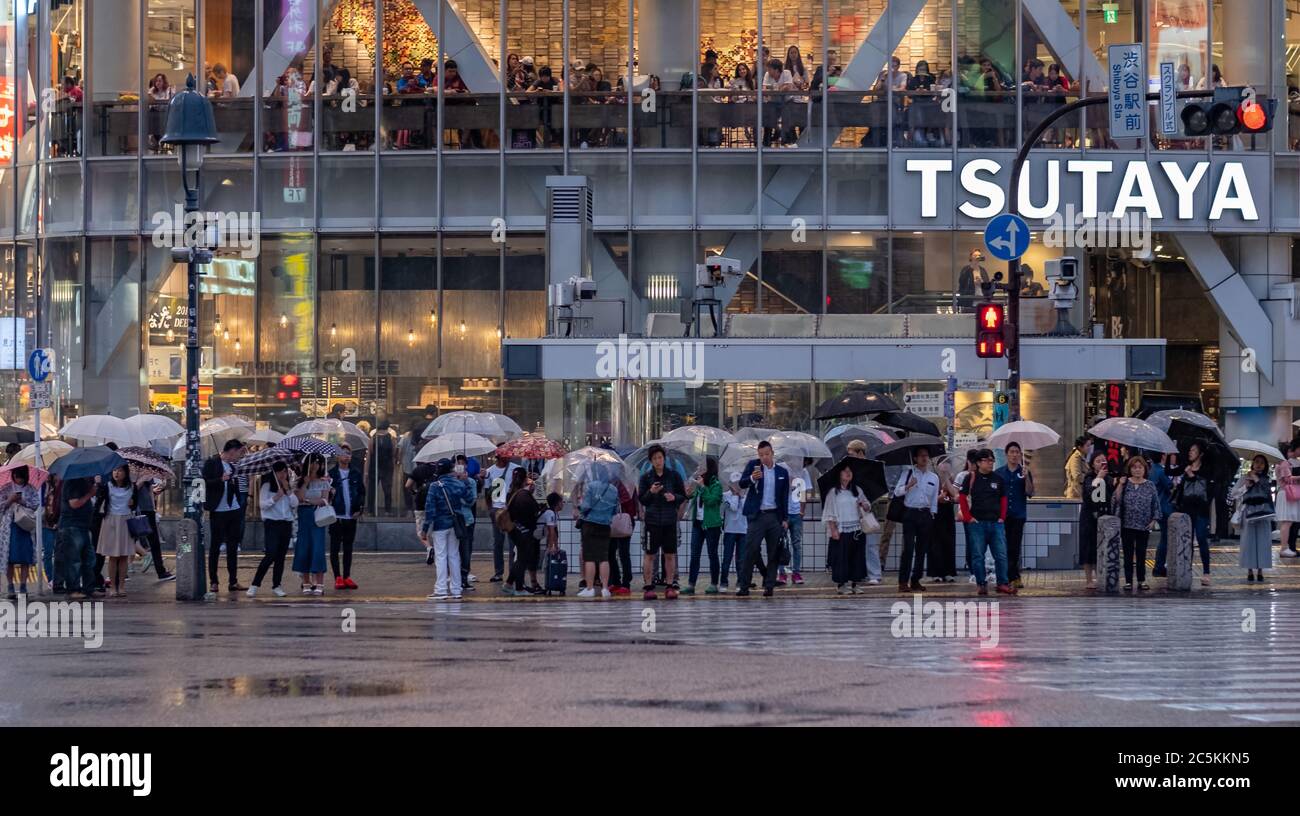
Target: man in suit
{"points": [[766, 508], [225, 506], [349, 503]]}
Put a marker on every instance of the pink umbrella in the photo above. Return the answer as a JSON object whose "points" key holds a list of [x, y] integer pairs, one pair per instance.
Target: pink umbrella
{"points": [[531, 446], [35, 476]]}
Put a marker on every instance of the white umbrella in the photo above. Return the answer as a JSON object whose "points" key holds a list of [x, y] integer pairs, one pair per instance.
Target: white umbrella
{"points": [[702, 440], [1029, 435], [155, 427], [575, 467], [446, 446], [736, 456], [753, 434], [1248, 448], [1134, 433], [497, 427], [100, 429], [332, 430], [264, 436], [50, 453], [48, 429]]}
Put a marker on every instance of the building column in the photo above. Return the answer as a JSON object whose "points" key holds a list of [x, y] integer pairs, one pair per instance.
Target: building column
{"points": [[666, 35], [113, 32], [1246, 30]]}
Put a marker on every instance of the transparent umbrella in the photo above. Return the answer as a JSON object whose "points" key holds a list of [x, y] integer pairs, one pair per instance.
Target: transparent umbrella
{"points": [[155, 427], [1134, 433], [752, 434], [799, 445], [331, 430], [497, 427], [449, 445], [98, 429], [700, 440], [578, 466]]}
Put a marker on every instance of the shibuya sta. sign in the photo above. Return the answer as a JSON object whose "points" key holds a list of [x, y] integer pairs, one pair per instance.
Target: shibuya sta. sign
{"points": [[1173, 192]]}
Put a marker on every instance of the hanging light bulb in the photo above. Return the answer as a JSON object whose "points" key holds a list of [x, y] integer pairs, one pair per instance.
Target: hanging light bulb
{"points": [[410, 337], [462, 327], [433, 317], [498, 332], [334, 330], [216, 326], [237, 346], [284, 320], [225, 335], [171, 336]]}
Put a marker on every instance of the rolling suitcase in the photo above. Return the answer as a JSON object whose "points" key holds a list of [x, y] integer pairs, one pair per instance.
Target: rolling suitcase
{"points": [[1109, 553], [557, 573]]}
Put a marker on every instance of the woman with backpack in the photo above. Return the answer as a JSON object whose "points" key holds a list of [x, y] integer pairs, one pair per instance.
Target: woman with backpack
{"points": [[1192, 495], [522, 511]]}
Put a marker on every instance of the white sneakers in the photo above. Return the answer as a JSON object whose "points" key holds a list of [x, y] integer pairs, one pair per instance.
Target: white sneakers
{"points": [[1287, 552], [473, 579], [587, 592], [252, 592], [604, 593], [278, 592]]}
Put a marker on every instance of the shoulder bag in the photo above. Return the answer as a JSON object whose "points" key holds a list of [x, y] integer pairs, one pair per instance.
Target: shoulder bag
{"points": [[867, 520], [457, 520], [897, 507], [325, 515], [138, 527], [25, 518]]}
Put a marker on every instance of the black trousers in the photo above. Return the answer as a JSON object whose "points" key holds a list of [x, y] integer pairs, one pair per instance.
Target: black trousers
{"points": [[765, 527], [1015, 535], [620, 562], [918, 529], [466, 552], [1134, 544], [342, 535], [275, 537], [526, 551], [155, 543], [227, 528]]}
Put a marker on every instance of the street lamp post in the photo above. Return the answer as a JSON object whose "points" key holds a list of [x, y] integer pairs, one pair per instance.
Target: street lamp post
{"points": [[1013, 199], [191, 127]]}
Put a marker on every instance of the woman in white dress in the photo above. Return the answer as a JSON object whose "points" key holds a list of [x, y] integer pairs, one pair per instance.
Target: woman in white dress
{"points": [[117, 503], [1254, 495], [1288, 509]]}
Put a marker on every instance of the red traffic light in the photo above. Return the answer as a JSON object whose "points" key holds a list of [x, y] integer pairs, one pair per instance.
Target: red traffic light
{"points": [[1253, 117], [989, 339], [990, 317], [289, 380]]}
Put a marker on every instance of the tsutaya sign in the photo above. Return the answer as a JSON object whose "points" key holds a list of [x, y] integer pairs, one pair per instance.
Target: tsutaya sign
{"points": [[1175, 192]]}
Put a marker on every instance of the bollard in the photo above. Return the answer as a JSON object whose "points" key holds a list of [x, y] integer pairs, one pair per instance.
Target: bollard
{"points": [[189, 563], [1109, 553], [1178, 559]]}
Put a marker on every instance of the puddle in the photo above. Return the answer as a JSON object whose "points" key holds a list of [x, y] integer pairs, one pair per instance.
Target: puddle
{"points": [[302, 685]]}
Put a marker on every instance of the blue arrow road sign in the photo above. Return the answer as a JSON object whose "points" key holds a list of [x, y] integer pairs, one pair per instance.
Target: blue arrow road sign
{"points": [[39, 365], [1007, 237]]}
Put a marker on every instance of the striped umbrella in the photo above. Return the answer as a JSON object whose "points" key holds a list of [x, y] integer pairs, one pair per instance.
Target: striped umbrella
{"points": [[145, 462], [308, 444], [257, 464]]}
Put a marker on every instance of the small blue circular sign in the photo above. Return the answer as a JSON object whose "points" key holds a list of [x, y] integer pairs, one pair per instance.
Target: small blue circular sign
{"points": [[39, 365], [1007, 237]]}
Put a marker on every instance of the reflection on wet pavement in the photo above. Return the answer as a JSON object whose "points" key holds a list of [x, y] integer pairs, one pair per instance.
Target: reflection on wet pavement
{"points": [[302, 685]]}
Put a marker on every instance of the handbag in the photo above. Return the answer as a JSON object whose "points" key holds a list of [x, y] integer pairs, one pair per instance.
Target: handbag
{"points": [[503, 520], [457, 520], [868, 521], [325, 516], [1292, 491], [25, 518], [897, 507], [783, 557], [139, 527], [620, 526]]}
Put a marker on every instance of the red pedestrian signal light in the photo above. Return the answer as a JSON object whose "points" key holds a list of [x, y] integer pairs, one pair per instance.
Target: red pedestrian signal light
{"points": [[990, 337], [289, 380], [1254, 117], [1232, 110]]}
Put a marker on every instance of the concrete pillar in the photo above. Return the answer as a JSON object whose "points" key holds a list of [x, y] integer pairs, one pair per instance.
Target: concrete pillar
{"points": [[666, 39], [1178, 565], [1247, 30], [114, 50]]}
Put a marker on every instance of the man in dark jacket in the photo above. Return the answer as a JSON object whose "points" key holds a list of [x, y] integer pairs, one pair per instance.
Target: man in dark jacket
{"points": [[225, 508], [766, 509], [660, 491], [349, 502], [984, 510]]}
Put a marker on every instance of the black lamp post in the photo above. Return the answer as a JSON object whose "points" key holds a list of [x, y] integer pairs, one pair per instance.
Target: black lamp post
{"points": [[191, 127]]}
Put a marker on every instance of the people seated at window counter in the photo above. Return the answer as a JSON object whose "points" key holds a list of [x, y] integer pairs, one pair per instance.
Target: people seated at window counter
{"points": [[428, 74], [546, 85], [919, 85], [709, 79], [410, 82], [454, 90], [778, 79], [226, 84], [891, 78], [822, 72]]}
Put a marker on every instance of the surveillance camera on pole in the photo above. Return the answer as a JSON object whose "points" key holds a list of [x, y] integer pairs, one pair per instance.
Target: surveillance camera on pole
{"points": [[1063, 291], [565, 300], [709, 275]]}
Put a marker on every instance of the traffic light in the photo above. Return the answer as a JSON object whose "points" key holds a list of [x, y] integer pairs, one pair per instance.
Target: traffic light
{"points": [[990, 338], [1230, 111]]}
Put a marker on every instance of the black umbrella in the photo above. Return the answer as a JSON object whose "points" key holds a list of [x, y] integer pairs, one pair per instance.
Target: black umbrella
{"points": [[906, 421], [855, 402], [868, 475], [8, 434], [901, 452]]}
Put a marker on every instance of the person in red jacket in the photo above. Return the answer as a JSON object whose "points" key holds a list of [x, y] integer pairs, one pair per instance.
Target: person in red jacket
{"points": [[984, 510]]}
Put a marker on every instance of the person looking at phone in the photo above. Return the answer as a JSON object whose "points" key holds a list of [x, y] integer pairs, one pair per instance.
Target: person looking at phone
{"points": [[278, 503], [767, 515], [660, 492]]}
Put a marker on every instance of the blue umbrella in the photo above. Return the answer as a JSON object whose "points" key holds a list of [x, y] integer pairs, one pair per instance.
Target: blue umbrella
{"points": [[87, 463]]}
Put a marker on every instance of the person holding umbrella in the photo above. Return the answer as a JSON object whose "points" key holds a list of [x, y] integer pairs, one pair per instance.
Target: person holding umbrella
{"points": [[1020, 489], [115, 505], [841, 512], [14, 539], [1098, 489], [1253, 493], [919, 487], [314, 491], [1193, 494], [278, 503], [1287, 508]]}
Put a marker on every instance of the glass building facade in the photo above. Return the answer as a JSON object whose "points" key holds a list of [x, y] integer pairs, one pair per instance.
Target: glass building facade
{"points": [[388, 159]]}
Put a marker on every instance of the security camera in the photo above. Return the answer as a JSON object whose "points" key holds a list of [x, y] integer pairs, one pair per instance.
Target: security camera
{"points": [[1066, 269], [714, 271]]}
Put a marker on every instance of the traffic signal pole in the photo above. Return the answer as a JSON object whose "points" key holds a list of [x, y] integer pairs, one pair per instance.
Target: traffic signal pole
{"points": [[1013, 198]]}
